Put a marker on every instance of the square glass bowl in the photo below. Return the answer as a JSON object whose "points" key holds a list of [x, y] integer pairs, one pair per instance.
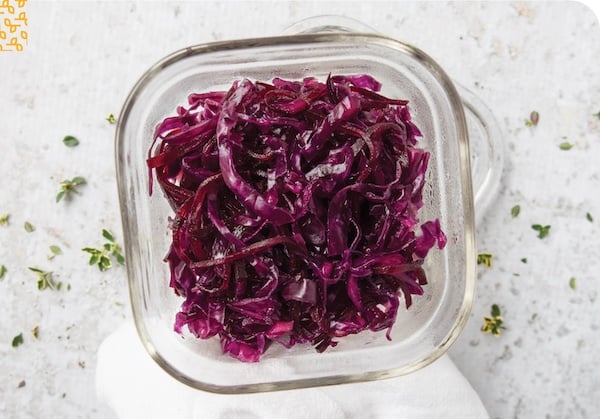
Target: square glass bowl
{"points": [[422, 333]]}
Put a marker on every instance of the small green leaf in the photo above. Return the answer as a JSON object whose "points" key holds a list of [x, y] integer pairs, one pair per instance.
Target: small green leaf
{"points": [[111, 119], [495, 310], [28, 227], [514, 211], [104, 263], [55, 250], [572, 283], [17, 340], [524, 260], [542, 230], [107, 235], [2, 272], [4, 219], [484, 259], [565, 146], [44, 279], [70, 141], [597, 115], [69, 187], [60, 195], [589, 217], [120, 258], [78, 180], [94, 257]]}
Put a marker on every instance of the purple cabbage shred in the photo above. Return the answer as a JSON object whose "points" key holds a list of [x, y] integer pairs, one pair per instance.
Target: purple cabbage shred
{"points": [[296, 209]]}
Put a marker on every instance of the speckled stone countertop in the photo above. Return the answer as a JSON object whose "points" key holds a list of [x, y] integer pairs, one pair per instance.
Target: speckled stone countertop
{"points": [[83, 58]]}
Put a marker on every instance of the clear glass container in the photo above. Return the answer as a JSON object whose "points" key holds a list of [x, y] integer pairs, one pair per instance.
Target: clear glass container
{"points": [[422, 333]]}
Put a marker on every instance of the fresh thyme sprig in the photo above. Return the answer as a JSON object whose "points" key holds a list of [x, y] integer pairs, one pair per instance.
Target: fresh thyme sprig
{"points": [[542, 230], [494, 323], [69, 187], [102, 256], [484, 259], [44, 279]]}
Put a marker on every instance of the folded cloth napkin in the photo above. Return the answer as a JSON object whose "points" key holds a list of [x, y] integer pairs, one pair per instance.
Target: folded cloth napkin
{"points": [[134, 386]]}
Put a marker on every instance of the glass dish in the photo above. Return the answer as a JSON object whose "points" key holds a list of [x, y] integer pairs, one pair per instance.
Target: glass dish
{"points": [[421, 334]]}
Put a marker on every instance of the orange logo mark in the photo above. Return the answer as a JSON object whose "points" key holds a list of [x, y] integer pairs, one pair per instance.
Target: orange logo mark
{"points": [[13, 25]]}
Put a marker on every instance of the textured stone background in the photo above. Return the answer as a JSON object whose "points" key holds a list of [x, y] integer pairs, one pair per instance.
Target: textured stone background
{"points": [[82, 59]]}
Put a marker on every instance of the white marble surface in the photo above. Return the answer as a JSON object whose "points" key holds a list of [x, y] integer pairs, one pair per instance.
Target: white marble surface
{"points": [[84, 57]]}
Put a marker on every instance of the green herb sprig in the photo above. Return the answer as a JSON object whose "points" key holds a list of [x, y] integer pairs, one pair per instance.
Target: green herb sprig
{"points": [[4, 219], [69, 187], [542, 230], [494, 323], [111, 119], [101, 257], [44, 279], [484, 259]]}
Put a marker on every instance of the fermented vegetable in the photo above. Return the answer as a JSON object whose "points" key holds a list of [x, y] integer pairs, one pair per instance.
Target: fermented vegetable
{"points": [[295, 211]]}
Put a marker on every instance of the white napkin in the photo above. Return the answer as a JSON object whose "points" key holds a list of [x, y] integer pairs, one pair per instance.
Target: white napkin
{"points": [[134, 386]]}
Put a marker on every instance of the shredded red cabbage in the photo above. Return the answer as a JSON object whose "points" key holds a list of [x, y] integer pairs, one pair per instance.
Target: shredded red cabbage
{"points": [[295, 211]]}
